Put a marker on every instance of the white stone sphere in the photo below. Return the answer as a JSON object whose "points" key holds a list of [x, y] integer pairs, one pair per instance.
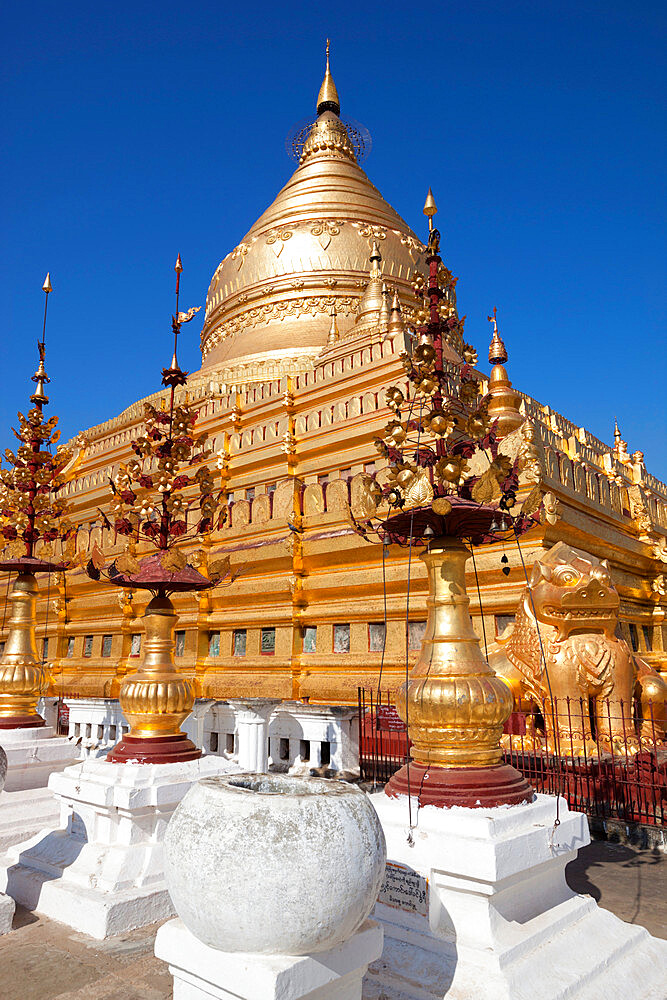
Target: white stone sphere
{"points": [[274, 864]]}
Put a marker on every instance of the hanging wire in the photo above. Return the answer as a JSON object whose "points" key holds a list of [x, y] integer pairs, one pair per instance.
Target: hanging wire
{"points": [[62, 672], [4, 607], [407, 665], [479, 597], [384, 600], [407, 674], [42, 680], [559, 781]]}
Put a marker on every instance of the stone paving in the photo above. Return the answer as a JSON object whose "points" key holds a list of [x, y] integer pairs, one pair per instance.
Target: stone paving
{"points": [[44, 960]]}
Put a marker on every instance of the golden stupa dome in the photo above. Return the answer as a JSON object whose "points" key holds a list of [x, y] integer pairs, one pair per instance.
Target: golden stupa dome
{"points": [[270, 300]]}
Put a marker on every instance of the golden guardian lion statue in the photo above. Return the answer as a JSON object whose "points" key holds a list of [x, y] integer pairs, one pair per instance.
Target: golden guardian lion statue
{"points": [[575, 603]]}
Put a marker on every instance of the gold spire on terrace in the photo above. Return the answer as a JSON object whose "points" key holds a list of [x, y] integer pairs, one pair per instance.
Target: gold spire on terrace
{"points": [[504, 401]]}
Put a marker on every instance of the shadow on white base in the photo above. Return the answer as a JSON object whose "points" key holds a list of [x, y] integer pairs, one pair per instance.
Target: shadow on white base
{"points": [[479, 909], [102, 871], [203, 973]]}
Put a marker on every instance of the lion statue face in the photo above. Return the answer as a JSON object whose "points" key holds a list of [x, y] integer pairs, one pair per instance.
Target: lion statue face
{"points": [[574, 593]]}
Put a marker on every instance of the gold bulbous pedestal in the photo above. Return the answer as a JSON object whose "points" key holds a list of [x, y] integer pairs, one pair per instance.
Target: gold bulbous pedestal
{"points": [[22, 675], [156, 699], [453, 703]]}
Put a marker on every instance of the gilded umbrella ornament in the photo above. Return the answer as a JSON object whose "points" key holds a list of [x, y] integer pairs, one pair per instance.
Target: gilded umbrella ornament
{"points": [[447, 487], [163, 496], [31, 520]]}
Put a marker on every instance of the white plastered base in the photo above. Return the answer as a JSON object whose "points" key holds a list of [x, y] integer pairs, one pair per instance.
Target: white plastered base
{"points": [[33, 755], [204, 973], [25, 813], [102, 872], [498, 921]]}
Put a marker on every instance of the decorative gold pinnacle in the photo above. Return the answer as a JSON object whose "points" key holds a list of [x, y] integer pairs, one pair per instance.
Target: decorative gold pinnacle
{"points": [[385, 312], [327, 99], [333, 329], [430, 209], [504, 401], [46, 287], [396, 324], [497, 350]]}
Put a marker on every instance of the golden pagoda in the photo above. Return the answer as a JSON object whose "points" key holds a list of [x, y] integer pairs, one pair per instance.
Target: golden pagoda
{"points": [[305, 320]]}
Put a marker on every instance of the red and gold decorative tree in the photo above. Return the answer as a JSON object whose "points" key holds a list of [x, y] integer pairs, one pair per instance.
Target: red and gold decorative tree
{"points": [[448, 486], [161, 498], [31, 520]]}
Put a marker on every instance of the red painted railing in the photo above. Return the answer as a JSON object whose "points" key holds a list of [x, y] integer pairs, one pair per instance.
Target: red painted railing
{"points": [[623, 778]]}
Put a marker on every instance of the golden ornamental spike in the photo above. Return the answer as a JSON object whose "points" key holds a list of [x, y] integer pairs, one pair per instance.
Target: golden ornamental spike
{"points": [[178, 266], [327, 99], [47, 287], [385, 312], [497, 349], [504, 405], [430, 208], [333, 329], [396, 325]]}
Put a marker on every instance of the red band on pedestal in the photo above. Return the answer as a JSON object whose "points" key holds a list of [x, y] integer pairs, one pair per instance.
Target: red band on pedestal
{"points": [[473, 787], [155, 750], [22, 722]]}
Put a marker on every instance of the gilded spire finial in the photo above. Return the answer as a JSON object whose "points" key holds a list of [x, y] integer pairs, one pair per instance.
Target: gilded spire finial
{"points": [[617, 434], [396, 324], [385, 311], [504, 401], [376, 260], [333, 329], [430, 209], [327, 99], [40, 378], [497, 350]]}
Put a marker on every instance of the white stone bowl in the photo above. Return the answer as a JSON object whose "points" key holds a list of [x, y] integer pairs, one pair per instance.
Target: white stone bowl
{"points": [[273, 864]]}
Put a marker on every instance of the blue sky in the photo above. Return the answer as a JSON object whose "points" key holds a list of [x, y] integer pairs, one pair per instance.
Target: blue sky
{"points": [[134, 131]]}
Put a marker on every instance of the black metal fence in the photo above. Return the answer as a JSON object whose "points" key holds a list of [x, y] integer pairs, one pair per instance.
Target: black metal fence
{"points": [[608, 762]]}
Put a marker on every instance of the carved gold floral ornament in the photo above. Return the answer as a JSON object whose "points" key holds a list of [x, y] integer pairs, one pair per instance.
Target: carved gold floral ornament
{"points": [[324, 230], [239, 253], [278, 239]]}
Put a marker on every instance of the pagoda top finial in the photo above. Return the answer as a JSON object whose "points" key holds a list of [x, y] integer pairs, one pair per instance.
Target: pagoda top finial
{"points": [[617, 434], [40, 378], [504, 400], [430, 209], [327, 99], [497, 350]]}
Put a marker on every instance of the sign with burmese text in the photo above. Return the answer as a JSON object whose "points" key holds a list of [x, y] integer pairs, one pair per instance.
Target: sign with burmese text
{"points": [[389, 720], [404, 889]]}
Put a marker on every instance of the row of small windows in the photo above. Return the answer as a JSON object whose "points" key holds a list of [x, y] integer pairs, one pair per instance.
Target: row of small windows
{"points": [[85, 730], [323, 480], [341, 639], [634, 637]]}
